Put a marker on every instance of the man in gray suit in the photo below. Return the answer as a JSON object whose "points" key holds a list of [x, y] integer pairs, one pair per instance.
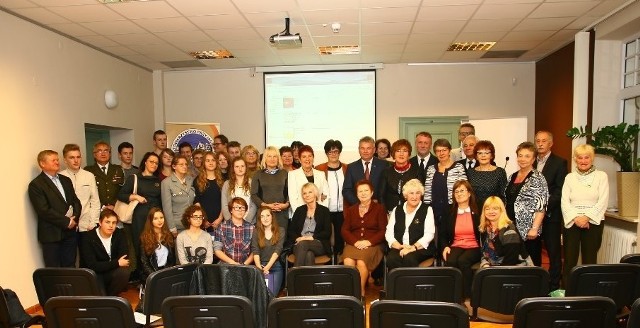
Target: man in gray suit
{"points": [[58, 210]]}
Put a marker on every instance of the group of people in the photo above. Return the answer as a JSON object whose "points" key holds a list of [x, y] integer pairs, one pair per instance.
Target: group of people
{"points": [[238, 206]]}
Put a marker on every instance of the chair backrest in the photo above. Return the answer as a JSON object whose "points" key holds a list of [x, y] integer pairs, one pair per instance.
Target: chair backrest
{"points": [[173, 281], [620, 282], [565, 312], [51, 282], [207, 311], [631, 258], [335, 311], [323, 280], [500, 288], [4, 310], [88, 312], [634, 316], [402, 314], [443, 284]]}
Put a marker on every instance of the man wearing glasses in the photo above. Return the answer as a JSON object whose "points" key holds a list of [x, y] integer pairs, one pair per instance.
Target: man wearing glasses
{"points": [[220, 143], [466, 129], [109, 177]]}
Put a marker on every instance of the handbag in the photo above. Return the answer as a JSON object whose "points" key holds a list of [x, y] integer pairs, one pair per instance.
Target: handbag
{"points": [[125, 210], [17, 314]]}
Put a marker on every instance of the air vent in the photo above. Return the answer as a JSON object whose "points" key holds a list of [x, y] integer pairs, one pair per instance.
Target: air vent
{"points": [[184, 64], [504, 54], [471, 46], [211, 54], [339, 50]]}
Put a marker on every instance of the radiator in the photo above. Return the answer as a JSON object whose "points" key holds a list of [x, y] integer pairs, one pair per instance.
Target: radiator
{"points": [[616, 243]]}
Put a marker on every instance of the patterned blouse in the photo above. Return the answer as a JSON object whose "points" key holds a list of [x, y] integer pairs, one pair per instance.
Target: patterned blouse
{"points": [[525, 199]]}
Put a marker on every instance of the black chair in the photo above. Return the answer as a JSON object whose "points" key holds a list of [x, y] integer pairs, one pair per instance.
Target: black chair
{"points": [[323, 280], [498, 289], [634, 316], [620, 282], [51, 282], [174, 281], [583, 312], [402, 314], [631, 258], [207, 311], [442, 284], [335, 311], [89, 311], [5, 319]]}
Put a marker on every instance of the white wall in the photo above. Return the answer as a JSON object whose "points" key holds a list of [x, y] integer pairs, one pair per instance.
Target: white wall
{"points": [[234, 98], [51, 86]]}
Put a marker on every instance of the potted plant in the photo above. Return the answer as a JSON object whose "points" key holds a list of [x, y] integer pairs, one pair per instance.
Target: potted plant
{"points": [[620, 142]]}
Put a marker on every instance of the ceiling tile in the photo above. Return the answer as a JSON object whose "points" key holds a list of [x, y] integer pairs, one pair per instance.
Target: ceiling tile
{"points": [[53, 3], [120, 51], [383, 15], [563, 9], [140, 38], [431, 37], [480, 36], [166, 24], [114, 27], [187, 47], [388, 4], [72, 29], [491, 25], [533, 24], [446, 13], [427, 47], [564, 35], [200, 7], [98, 40], [261, 61], [327, 4], [336, 40], [330, 16], [262, 52], [509, 2], [387, 39], [453, 26], [426, 3], [504, 45], [233, 34], [386, 28], [252, 6], [41, 15], [487, 11], [184, 36], [421, 57], [325, 30], [144, 9], [275, 19], [87, 13], [243, 44], [219, 21], [15, 4], [528, 36]]}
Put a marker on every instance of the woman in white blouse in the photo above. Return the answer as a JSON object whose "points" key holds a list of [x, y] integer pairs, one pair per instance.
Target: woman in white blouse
{"points": [[306, 173], [585, 195]]}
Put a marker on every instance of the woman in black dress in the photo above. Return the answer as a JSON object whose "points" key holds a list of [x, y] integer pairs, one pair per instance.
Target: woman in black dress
{"points": [[486, 178]]}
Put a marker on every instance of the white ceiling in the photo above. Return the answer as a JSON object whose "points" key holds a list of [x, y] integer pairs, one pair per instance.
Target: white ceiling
{"points": [[149, 33]]}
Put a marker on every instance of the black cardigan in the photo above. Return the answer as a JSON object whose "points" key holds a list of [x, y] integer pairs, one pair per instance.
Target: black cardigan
{"points": [[94, 255], [447, 229], [323, 226]]}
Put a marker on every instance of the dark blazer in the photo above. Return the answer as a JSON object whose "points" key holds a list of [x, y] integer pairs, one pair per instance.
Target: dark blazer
{"points": [[95, 257], [554, 171], [464, 164], [51, 207], [323, 226], [448, 229], [108, 184], [355, 173], [432, 161], [150, 262]]}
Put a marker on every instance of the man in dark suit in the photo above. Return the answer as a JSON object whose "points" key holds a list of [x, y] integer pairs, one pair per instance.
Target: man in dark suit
{"points": [[58, 210], [468, 144], [109, 177], [110, 265], [423, 157], [367, 167], [554, 169]]}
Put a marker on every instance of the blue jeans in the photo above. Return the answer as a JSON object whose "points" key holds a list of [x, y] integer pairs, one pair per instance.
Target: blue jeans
{"points": [[276, 274]]}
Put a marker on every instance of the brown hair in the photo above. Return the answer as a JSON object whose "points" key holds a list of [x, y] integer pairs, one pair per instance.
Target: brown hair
{"points": [[189, 212], [399, 144], [472, 197], [246, 187], [262, 240], [528, 146], [148, 238], [487, 145], [201, 180]]}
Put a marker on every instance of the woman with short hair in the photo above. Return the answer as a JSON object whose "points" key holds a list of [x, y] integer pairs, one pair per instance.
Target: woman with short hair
{"points": [[177, 193], [334, 172], [287, 158], [383, 149], [411, 229], [305, 174], [585, 195], [194, 245], [486, 179], [166, 158], [232, 239], [395, 176]]}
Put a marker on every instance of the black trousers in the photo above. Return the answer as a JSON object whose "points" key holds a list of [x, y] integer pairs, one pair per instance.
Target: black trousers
{"points": [[114, 281], [413, 259], [337, 218], [581, 241], [306, 252], [534, 248], [551, 232], [463, 259], [61, 253]]}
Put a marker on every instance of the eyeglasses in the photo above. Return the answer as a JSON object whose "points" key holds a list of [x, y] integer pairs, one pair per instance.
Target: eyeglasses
{"points": [[217, 143], [197, 217], [460, 191], [101, 151], [333, 152], [483, 152], [239, 208]]}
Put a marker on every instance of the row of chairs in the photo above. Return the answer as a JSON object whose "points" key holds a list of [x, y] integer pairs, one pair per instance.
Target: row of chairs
{"points": [[335, 311]]}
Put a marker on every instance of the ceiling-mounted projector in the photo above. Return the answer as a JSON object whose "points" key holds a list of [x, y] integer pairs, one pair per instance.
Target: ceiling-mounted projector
{"points": [[285, 38]]}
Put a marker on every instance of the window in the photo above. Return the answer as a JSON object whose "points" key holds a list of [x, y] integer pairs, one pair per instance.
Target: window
{"points": [[631, 63]]}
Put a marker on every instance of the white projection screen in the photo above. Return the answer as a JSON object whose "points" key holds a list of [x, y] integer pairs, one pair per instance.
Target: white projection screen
{"points": [[313, 107]]}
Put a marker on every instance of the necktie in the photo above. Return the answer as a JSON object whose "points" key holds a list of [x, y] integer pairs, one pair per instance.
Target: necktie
{"points": [[56, 181], [366, 170], [469, 164], [104, 169], [422, 163]]}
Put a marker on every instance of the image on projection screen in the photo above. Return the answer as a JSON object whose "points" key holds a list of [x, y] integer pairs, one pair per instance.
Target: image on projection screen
{"points": [[314, 107]]}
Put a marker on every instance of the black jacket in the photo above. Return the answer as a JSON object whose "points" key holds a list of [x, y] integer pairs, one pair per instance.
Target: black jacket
{"points": [[93, 254], [150, 262], [323, 226], [447, 231]]}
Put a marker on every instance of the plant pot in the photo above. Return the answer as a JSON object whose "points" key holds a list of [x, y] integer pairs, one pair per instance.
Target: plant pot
{"points": [[628, 187]]}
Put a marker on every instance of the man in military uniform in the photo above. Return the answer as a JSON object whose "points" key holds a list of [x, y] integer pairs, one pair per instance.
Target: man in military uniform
{"points": [[109, 177]]}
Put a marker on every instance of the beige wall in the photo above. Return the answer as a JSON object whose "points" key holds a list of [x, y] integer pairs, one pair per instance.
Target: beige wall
{"points": [[234, 98], [50, 86]]}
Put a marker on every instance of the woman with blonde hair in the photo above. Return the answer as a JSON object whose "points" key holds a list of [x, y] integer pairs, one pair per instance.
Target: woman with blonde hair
{"points": [[269, 186], [208, 185], [251, 158], [501, 242], [585, 195], [266, 246]]}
